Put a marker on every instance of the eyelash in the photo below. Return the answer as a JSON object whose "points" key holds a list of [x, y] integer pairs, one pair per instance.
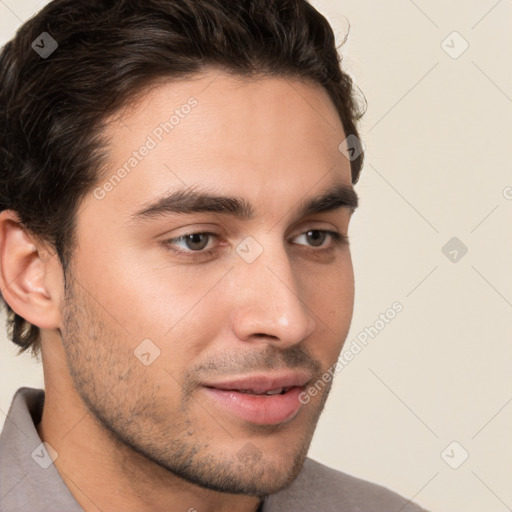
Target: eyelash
{"points": [[338, 240]]}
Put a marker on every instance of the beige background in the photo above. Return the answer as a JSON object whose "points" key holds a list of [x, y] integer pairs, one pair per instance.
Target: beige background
{"points": [[438, 132]]}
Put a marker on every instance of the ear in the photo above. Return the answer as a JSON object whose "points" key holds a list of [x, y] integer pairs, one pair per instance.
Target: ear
{"points": [[30, 277]]}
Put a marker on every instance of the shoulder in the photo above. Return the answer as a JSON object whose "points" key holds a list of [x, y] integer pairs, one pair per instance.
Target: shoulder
{"points": [[319, 487]]}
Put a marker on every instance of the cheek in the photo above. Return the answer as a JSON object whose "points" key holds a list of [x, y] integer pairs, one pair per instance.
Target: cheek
{"points": [[330, 296], [329, 291], [143, 291]]}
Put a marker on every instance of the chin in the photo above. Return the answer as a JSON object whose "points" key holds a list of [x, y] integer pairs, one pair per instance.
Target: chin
{"points": [[258, 479]]}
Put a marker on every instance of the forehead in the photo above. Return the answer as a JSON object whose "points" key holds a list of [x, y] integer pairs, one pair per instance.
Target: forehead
{"points": [[256, 137]]}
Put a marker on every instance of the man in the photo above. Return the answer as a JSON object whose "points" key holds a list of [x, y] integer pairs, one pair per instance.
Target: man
{"points": [[176, 190]]}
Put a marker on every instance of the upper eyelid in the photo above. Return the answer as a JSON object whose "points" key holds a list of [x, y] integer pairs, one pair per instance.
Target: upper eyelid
{"points": [[311, 225], [217, 235], [331, 232]]}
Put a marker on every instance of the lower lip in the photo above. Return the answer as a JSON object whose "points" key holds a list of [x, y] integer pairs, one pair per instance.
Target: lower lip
{"points": [[258, 409]]}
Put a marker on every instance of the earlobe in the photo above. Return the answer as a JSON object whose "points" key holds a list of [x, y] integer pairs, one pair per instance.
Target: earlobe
{"points": [[27, 275]]}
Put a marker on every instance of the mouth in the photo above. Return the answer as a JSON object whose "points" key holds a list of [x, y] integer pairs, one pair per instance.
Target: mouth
{"points": [[260, 399], [278, 391]]}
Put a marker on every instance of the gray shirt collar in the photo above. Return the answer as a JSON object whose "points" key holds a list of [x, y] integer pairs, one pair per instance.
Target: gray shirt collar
{"points": [[28, 478]]}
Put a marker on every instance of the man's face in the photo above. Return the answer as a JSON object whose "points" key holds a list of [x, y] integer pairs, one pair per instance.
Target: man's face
{"points": [[152, 335]]}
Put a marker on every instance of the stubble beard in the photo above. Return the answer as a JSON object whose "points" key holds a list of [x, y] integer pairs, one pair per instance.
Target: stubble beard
{"points": [[115, 388]]}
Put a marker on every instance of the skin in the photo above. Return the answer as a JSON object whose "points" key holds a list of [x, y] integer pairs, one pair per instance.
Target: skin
{"points": [[149, 431]]}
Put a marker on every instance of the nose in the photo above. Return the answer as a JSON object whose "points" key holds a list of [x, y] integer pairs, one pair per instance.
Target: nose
{"points": [[270, 306]]}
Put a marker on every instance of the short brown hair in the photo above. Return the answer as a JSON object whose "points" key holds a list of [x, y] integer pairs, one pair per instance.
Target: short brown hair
{"points": [[53, 109]]}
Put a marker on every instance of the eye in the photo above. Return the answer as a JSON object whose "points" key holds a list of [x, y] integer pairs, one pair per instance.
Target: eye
{"points": [[194, 244], [317, 241]]}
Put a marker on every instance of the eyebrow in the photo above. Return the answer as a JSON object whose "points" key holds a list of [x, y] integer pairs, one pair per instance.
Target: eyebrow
{"points": [[191, 200]]}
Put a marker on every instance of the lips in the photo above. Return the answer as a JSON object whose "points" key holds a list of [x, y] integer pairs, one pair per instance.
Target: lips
{"points": [[259, 399], [263, 384]]}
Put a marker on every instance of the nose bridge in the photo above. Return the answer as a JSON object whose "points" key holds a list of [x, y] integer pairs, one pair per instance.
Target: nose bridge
{"points": [[271, 306]]}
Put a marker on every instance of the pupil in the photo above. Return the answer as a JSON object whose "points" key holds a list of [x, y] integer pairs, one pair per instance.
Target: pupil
{"points": [[194, 239], [318, 233]]}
